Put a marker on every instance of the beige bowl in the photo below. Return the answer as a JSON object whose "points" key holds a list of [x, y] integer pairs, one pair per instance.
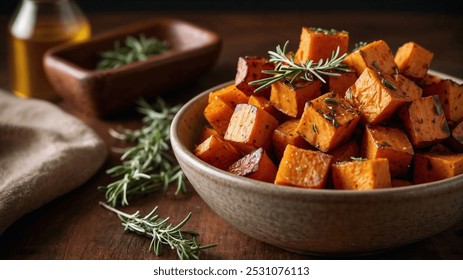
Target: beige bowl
{"points": [[310, 220]]}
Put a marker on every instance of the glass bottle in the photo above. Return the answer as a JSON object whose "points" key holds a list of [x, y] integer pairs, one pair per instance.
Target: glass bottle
{"points": [[36, 26]]}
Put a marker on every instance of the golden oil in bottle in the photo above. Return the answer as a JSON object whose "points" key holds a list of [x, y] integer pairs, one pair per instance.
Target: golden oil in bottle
{"points": [[38, 26]]}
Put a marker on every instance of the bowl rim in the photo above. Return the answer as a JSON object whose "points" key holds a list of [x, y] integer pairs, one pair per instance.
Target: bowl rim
{"points": [[258, 186]]}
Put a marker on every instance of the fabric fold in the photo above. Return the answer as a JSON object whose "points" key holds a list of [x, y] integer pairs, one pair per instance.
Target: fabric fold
{"points": [[44, 153]]}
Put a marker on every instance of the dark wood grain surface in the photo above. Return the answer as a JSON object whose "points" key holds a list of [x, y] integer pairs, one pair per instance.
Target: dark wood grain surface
{"points": [[74, 226]]}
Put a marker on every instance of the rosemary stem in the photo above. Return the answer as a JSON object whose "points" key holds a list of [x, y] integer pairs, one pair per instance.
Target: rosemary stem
{"points": [[114, 210]]}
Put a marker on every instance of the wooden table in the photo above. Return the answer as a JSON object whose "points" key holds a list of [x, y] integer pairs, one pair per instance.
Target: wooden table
{"points": [[74, 226]]}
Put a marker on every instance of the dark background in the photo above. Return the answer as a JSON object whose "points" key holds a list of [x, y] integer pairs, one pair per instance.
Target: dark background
{"points": [[443, 6]]}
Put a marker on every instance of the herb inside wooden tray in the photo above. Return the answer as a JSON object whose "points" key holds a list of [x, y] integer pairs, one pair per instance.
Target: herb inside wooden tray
{"points": [[134, 49]]}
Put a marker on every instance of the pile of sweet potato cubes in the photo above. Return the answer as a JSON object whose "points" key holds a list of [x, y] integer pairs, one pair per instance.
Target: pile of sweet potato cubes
{"points": [[386, 123]]}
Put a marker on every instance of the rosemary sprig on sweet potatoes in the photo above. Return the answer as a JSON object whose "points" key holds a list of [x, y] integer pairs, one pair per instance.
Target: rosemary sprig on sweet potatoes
{"points": [[288, 70]]}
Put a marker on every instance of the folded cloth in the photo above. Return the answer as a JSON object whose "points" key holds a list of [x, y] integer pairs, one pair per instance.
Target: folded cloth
{"points": [[44, 153]]}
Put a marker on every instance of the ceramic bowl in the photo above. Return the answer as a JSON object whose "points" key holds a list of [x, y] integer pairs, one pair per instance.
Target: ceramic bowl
{"points": [[310, 220], [71, 68]]}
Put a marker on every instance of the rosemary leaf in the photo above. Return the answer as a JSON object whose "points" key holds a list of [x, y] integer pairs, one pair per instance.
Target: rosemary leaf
{"points": [[388, 84], [148, 165], [135, 49], [289, 71], [358, 158], [359, 45], [161, 233]]}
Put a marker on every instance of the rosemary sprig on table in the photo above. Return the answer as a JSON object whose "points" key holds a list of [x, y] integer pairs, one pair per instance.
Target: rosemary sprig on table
{"points": [[135, 49], [288, 70], [162, 233], [148, 165]]}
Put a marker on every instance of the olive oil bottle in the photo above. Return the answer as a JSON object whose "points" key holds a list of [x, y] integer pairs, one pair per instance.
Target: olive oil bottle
{"points": [[37, 26]]}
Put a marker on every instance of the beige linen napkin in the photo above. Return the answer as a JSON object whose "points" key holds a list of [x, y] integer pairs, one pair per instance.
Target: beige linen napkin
{"points": [[44, 153]]}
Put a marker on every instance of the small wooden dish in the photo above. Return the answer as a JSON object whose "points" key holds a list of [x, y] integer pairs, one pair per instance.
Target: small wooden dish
{"points": [[71, 69]]}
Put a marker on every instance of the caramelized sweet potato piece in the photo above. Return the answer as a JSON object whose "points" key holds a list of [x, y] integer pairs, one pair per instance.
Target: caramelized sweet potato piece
{"points": [[316, 44], [249, 69], [345, 152], [361, 175], [424, 121], [218, 114], [328, 121], [230, 95], [340, 84], [456, 137], [255, 165], [451, 96], [290, 99], [303, 168], [413, 60], [264, 103], [409, 89], [390, 143], [216, 152], [207, 132], [429, 167], [440, 148], [286, 133], [376, 55], [376, 96], [250, 128], [428, 79], [397, 183]]}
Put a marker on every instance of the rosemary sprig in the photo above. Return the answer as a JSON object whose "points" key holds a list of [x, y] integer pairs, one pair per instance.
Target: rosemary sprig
{"points": [[148, 165], [288, 70], [151, 225], [358, 158], [135, 49], [359, 45]]}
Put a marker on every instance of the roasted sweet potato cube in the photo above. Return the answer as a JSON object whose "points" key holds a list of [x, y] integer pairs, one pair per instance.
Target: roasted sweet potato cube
{"points": [[286, 133], [456, 137], [291, 98], [376, 96], [428, 79], [345, 152], [376, 55], [390, 143], [250, 128], [255, 165], [230, 95], [429, 167], [218, 114], [413, 60], [316, 44], [207, 132], [264, 103], [424, 121], [451, 96], [328, 121], [249, 69], [303, 168], [340, 84], [362, 174], [409, 89], [440, 148], [397, 183], [216, 152]]}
